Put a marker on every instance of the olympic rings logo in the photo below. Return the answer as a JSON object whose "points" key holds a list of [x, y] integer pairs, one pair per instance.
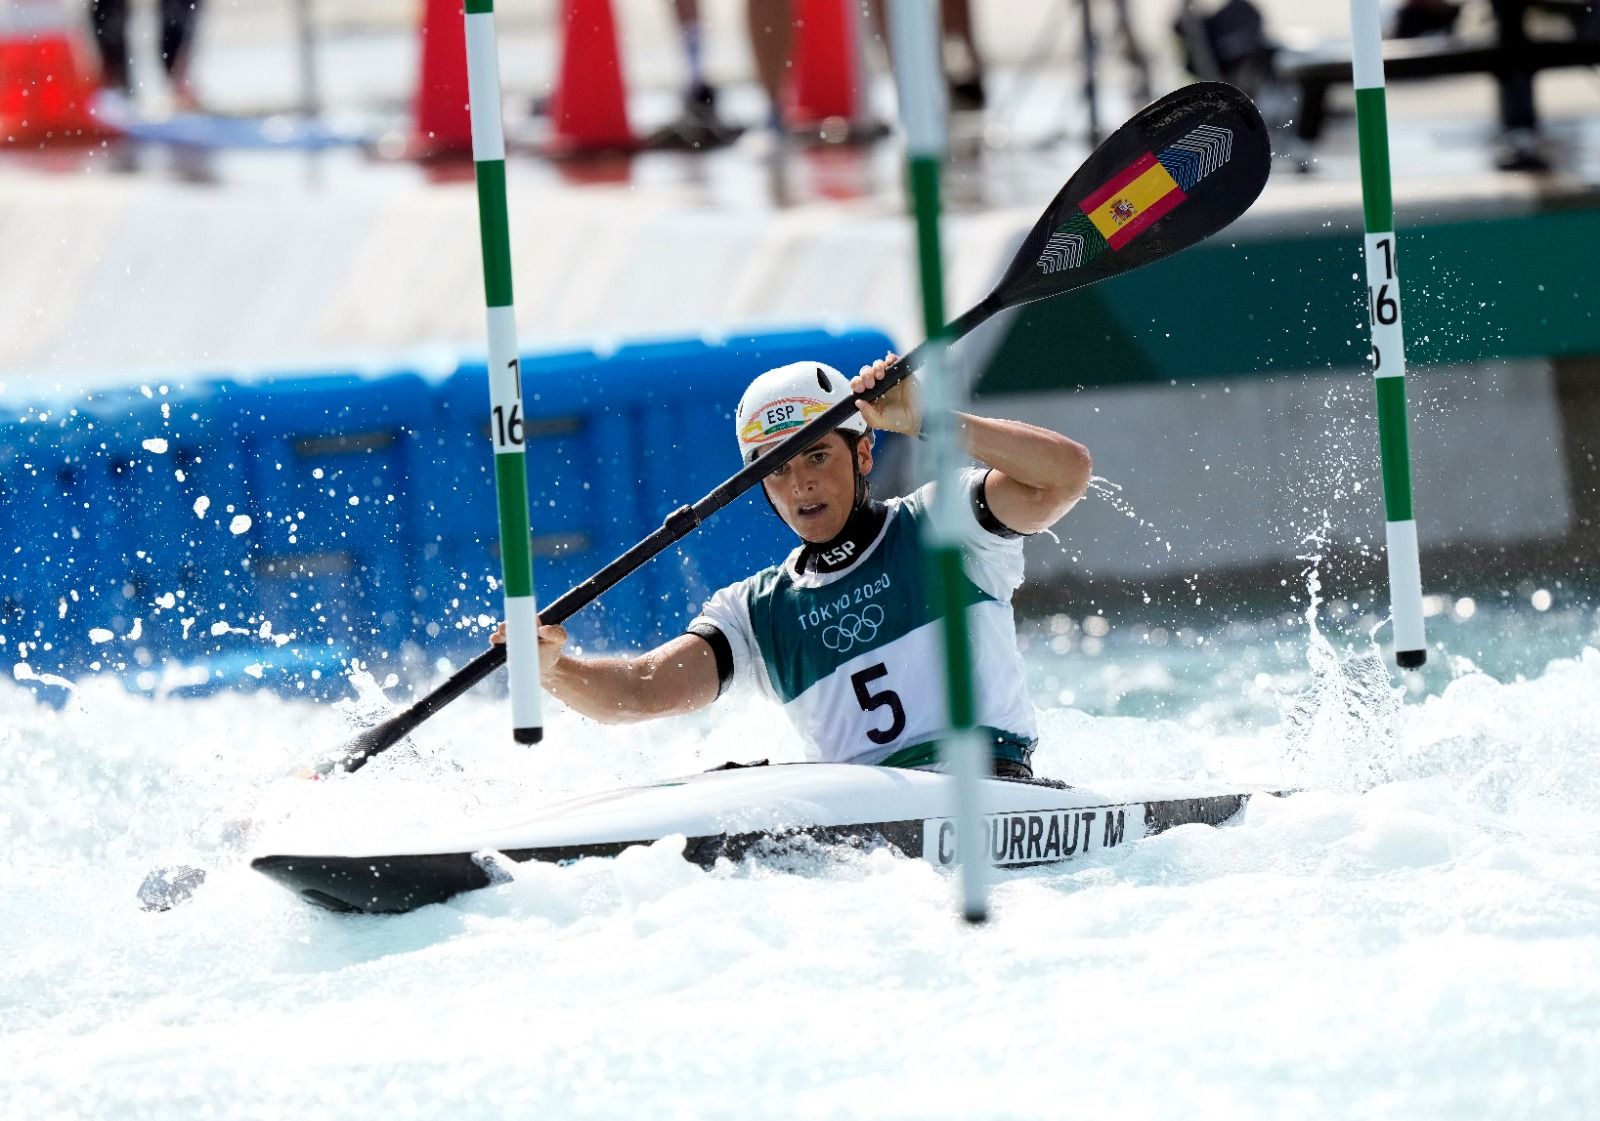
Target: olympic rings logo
{"points": [[851, 629]]}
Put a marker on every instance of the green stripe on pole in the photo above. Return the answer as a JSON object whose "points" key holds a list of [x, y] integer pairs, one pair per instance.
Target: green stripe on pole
{"points": [[480, 7], [494, 232], [1395, 447], [1372, 129], [924, 174], [511, 485]]}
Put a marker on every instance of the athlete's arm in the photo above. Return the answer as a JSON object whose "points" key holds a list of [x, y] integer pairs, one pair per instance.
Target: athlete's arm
{"points": [[1037, 474], [676, 677]]}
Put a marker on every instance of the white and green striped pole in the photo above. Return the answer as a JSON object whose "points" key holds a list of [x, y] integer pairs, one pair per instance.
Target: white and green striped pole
{"points": [[1388, 341], [505, 376], [914, 39]]}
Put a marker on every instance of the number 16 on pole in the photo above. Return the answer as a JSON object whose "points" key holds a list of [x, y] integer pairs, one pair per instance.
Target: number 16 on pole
{"points": [[505, 375]]}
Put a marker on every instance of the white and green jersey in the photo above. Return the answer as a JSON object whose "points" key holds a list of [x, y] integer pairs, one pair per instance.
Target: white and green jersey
{"points": [[855, 655]]}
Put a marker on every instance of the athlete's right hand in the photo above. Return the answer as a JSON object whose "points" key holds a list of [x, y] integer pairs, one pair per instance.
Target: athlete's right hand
{"points": [[552, 637], [898, 409]]}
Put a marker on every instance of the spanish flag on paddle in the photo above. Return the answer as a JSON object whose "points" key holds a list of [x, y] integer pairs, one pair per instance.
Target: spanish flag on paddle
{"points": [[1132, 200]]}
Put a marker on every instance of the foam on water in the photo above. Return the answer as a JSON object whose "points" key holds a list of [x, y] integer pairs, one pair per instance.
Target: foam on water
{"points": [[1416, 935]]}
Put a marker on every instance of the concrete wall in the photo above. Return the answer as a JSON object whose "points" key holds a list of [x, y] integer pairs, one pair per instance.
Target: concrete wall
{"points": [[1250, 473]]}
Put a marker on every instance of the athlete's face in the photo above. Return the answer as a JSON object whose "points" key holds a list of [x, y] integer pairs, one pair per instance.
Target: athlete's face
{"points": [[814, 491]]}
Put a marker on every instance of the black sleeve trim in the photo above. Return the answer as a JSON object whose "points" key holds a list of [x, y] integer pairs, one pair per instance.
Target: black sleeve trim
{"points": [[986, 517], [721, 648]]}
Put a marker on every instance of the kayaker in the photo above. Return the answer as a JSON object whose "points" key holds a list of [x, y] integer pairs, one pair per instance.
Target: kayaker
{"points": [[842, 633]]}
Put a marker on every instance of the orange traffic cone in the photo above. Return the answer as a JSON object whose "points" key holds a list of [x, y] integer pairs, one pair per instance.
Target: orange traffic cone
{"points": [[46, 85], [827, 95], [441, 118], [589, 110]]}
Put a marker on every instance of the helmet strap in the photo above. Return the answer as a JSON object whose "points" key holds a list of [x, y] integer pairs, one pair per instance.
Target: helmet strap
{"points": [[863, 488]]}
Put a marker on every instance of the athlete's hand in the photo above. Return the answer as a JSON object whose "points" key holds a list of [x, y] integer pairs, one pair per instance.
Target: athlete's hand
{"points": [[552, 637], [898, 409]]}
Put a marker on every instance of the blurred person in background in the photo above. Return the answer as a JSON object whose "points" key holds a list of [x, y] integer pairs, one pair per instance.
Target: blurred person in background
{"points": [[1415, 18], [109, 20], [1520, 146], [772, 24], [700, 97], [698, 125], [1133, 52], [1228, 44]]}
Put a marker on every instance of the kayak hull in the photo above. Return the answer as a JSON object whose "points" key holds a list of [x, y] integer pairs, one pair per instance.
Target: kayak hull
{"points": [[737, 814]]}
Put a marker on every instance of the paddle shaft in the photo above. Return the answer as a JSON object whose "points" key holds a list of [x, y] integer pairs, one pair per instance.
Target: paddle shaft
{"points": [[678, 525]]}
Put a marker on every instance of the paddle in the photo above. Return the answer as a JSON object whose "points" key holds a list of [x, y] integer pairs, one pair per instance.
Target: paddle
{"points": [[1183, 168]]}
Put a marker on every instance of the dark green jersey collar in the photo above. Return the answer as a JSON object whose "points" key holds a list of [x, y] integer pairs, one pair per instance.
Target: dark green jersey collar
{"points": [[848, 545]]}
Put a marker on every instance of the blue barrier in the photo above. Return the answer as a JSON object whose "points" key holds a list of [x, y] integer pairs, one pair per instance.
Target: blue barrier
{"points": [[263, 534]]}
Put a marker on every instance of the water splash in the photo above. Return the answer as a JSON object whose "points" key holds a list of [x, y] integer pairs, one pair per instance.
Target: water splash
{"points": [[1343, 729], [1111, 493]]}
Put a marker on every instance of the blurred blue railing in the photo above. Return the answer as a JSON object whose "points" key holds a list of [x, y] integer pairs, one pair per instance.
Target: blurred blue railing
{"points": [[232, 534]]}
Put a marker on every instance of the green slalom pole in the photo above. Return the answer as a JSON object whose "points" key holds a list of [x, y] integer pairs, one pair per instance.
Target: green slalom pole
{"points": [[915, 42], [1388, 341], [505, 376]]}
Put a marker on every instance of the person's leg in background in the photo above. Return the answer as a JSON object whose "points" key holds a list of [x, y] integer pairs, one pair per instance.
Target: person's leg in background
{"points": [[1520, 144], [697, 126], [700, 98], [109, 19], [963, 66], [966, 78], [178, 20], [771, 38]]}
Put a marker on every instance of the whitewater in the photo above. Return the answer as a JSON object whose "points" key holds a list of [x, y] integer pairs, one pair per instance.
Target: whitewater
{"points": [[1416, 934]]}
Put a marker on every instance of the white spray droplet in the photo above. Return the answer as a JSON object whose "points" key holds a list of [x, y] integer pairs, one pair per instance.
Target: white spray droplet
{"points": [[99, 635], [240, 524], [201, 505], [155, 445]]}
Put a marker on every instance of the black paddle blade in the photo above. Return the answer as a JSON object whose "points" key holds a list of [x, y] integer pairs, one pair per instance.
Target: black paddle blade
{"points": [[1183, 168], [374, 741]]}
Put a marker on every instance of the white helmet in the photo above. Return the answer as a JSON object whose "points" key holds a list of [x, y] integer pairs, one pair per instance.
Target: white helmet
{"points": [[782, 400]]}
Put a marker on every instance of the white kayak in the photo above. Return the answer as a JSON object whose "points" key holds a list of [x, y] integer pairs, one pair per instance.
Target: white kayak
{"points": [[747, 810]]}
